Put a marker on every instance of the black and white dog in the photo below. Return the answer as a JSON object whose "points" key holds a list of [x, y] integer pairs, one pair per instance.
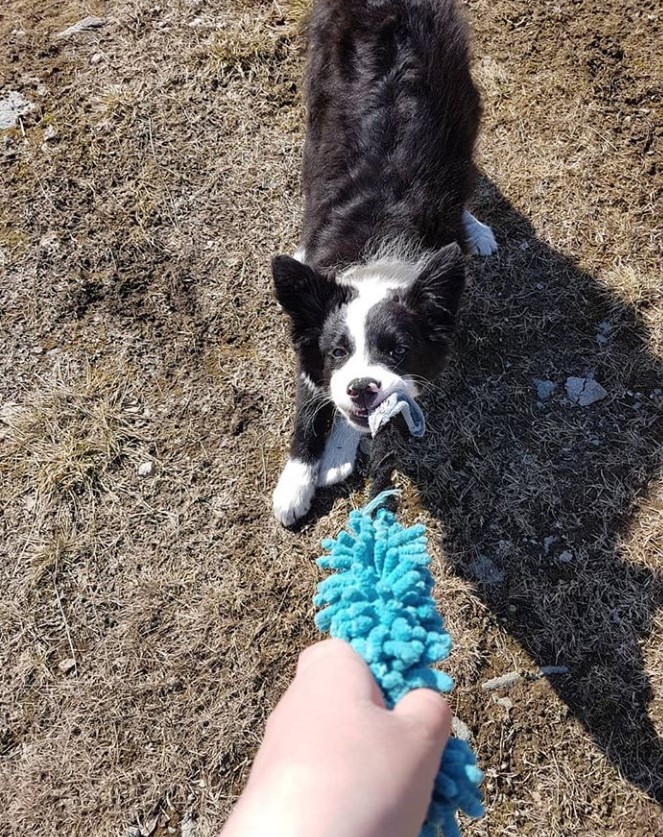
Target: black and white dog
{"points": [[372, 292]]}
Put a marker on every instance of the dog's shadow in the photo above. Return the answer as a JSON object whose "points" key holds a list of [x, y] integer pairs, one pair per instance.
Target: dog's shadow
{"points": [[537, 493]]}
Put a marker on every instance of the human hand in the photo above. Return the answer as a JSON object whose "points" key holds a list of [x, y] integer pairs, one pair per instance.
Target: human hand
{"points": [[335, 763]]}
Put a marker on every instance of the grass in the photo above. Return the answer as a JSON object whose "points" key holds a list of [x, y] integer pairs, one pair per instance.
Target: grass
{"points": [[138, 326]]}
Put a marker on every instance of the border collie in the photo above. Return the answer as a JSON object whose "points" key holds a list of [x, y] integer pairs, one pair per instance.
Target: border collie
{"points": [[373, 290]]}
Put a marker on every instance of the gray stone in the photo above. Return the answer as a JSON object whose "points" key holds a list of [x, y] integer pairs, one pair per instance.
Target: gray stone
{"points": [[461, 730], [188, 827], [584, 391], [544, 389], [566, 557], [68, 665], [504, 681], [548, 670], [486, 571], [10, 412], [13, 105], [547, 543], [85, 25], [146, 469], [506, 702], [150, 827]]}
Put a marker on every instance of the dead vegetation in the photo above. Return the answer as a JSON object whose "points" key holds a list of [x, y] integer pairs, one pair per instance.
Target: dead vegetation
{"points": [[151, 610]]}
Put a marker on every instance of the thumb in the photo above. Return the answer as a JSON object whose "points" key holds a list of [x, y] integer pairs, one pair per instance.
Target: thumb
{"points": [[428, 713]]}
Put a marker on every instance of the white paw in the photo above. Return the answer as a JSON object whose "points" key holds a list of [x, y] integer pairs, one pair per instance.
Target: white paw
{"points": [[294, 491], [338, 460], [480, 238]]}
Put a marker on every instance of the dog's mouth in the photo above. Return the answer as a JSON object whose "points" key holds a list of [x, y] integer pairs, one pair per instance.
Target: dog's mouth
{"points": [[359, 416]]}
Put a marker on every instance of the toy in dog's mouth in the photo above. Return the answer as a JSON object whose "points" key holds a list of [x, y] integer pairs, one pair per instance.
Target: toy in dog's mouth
{"points": [[393, 405]]}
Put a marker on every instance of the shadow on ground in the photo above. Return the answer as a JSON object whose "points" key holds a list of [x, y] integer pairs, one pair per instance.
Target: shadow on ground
{"points": [[537, 497]]}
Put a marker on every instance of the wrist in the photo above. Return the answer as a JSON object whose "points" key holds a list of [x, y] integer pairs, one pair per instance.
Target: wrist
{"points": [[296, 803]]}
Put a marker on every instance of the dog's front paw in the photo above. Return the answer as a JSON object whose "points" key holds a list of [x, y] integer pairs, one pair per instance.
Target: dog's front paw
{"points": [[338, 460], [480, 238], [294, 491]]}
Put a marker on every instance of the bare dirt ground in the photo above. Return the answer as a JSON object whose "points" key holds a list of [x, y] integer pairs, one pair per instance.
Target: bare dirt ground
{"points": [[151, 609]]}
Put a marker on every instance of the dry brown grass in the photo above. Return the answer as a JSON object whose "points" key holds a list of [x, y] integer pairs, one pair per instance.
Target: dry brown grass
{"points": [[137, 326]]}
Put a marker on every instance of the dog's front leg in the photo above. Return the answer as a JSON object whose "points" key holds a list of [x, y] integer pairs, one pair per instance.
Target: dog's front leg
{"points": [[294, 492]]}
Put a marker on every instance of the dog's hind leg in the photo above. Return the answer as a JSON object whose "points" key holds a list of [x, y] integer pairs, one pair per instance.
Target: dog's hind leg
{"points": [[338, 460], [479, 237]]}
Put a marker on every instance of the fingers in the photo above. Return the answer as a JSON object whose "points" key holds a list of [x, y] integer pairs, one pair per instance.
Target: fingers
{"points": [[333, 668], [429, 713]]}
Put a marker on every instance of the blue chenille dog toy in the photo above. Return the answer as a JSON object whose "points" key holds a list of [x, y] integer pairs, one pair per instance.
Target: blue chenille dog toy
{"points": [[379, 600]]}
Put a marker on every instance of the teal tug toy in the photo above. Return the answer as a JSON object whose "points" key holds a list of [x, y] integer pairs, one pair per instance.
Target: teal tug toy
{"points": [[379, 600]]}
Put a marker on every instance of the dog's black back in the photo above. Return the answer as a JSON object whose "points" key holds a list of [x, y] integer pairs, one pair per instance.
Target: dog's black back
{"points": [[393, 115]]}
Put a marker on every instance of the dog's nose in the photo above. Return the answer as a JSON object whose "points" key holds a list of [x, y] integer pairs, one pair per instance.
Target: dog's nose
{"points": [[363, 391]]}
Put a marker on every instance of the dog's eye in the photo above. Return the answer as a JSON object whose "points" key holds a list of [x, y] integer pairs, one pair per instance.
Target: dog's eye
{"points": [[397, 353], [339, 353]]}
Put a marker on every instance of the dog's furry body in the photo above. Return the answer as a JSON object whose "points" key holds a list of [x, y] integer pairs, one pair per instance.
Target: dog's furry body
{"points": [[393, 116]]}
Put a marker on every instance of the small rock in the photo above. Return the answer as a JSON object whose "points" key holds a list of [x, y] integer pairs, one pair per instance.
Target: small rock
{"points": [[133, 831], [50, 241], [605, 327], [486, 571], [601, 339], [37, 350], [188, 827], [548, 670], [584, 391], [67, 665], [524, 245], [149, 827], [544, 389], [460, 729], [13, 105], [85, 25], [50, 133], [97, 58], [146, 469], [547, 543], [10, 412], [566, 557], [506, 702], [504, 681]]}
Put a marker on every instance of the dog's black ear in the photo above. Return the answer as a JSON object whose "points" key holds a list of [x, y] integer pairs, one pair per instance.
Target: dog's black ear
{"points": [[307, 296], [436, 292]]}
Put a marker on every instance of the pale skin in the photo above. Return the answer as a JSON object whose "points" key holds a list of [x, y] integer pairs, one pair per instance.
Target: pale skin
{"points": [[335, 763]]}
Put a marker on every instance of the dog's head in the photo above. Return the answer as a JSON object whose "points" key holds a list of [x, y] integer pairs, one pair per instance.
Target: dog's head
{"points": [[374, 330]]}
